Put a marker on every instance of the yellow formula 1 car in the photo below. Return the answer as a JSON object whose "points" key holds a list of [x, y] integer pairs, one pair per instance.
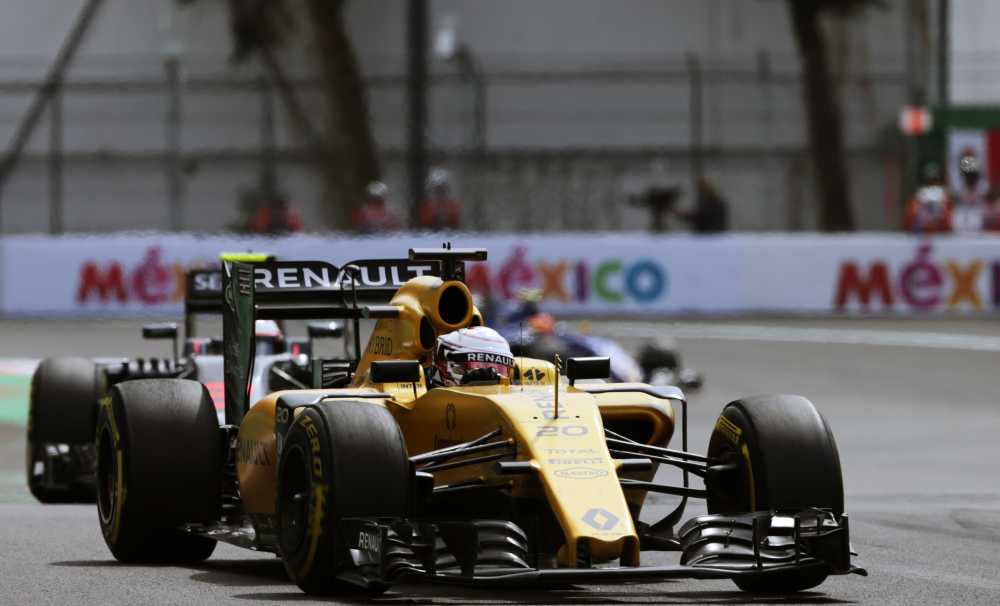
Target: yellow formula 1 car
{"points": [[375, 478]]}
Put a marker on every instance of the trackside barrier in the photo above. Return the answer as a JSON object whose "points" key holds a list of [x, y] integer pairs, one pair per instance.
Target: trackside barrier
{"points": [[598, 274]]}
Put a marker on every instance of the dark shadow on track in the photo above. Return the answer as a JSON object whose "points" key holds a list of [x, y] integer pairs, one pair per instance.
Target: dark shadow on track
{"points": [[430, 595], [260, 573], [101, 564], [241, 573], [226, 573]]}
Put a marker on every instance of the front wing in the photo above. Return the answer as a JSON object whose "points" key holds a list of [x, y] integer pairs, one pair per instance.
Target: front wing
{"points": [[495, 553]]}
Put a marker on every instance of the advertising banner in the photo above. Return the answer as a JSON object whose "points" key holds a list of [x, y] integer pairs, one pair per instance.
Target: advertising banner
{"points": [[583, 274]]}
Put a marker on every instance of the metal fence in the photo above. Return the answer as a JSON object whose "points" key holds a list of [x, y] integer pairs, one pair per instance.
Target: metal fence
{"points": [[528, 149]]}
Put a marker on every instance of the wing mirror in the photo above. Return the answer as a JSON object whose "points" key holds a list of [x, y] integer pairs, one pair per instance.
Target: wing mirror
{"points": [[395, 371], [588, 368], [162, 330]]}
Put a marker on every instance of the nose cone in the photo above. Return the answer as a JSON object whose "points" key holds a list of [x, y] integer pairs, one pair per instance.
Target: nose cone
{"points": [[576, 472]]}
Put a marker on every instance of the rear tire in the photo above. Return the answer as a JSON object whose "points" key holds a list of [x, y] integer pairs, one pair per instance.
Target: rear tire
{"points": [[62, 409], [159, 465], [785, 459], [342, 459]]}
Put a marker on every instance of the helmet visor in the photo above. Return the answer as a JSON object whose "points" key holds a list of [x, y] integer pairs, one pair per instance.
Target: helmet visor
{"points": [[460, 363]]}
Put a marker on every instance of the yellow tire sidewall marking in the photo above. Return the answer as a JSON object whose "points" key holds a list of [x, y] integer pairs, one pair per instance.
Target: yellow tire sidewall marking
{"points": [[119, 496], [729, 430], [315, 528], [319, 494], [745, 451]]}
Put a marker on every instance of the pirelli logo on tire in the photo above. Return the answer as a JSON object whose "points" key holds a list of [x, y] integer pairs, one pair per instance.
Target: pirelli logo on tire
{"points": [[317, 506], [312, 432], [729, 430]]}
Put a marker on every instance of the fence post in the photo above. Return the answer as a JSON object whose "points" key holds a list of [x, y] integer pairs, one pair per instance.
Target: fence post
{"points": [[471, 70], [479, 138], [417, 44], [175, 186], [56, 160], [695, 110], [943, 59], [772, 166], [268, 176]]}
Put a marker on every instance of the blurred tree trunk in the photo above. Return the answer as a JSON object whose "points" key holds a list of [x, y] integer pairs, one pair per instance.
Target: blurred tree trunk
{"points": [[342, 144], [353, 162], [824, 118]]}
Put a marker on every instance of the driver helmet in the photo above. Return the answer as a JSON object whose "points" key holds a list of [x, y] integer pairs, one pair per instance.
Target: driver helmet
{"points": [[377, 190], [932, 197], [472, 354], [438, 181], [542, 323], [968, 167]]}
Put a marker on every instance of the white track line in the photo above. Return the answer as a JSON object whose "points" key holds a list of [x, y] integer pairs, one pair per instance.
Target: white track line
{"points": [[788, 334]]}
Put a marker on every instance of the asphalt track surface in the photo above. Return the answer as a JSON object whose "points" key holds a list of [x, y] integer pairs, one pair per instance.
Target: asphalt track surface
{"points": [[917, 428]]}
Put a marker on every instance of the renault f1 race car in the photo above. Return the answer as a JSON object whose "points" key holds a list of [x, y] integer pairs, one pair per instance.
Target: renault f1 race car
{"points": [[62, 416], [376, 477]]}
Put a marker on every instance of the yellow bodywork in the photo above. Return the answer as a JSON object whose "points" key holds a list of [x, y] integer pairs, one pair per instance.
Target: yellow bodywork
{"points": [[576, 474]]}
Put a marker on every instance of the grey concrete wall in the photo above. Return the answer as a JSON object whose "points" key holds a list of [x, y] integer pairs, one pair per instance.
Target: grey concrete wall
{"points": [[564, 75]]}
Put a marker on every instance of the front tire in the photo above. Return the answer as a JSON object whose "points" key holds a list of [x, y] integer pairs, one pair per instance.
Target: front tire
{"points": [[342, 459], [782, 457], [159, 465], [62, 412]]}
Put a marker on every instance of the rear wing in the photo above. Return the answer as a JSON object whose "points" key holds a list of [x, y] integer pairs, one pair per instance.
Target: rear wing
{"points": [[302, 290], [203, 291], [203, 288], [203, 295]]}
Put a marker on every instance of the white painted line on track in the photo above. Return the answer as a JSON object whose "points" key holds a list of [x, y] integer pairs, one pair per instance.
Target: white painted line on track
{"points": [[790, 334]]}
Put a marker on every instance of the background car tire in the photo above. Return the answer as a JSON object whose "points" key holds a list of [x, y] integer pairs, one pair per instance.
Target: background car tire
{"points": [[339, 460], [786, 460], [62, 409], [160, 455]]}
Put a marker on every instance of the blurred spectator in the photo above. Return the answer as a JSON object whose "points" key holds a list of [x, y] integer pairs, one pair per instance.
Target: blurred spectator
{"points": [[372, 215], [710, 214], [929, 209], [275, 216], [659, 201], [439, 210], [992, 222], [969, 213]]}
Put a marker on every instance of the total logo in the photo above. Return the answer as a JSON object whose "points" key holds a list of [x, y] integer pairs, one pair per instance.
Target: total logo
{"points": [[639, 280]]}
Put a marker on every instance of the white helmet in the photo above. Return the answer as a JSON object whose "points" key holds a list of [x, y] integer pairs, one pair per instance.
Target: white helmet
{"points": [[438, 177], [267, 328], [377, 189], [470, 354], [269, 337]]}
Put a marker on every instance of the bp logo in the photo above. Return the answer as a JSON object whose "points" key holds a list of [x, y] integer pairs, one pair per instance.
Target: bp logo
{"points": [[600, 519]]}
